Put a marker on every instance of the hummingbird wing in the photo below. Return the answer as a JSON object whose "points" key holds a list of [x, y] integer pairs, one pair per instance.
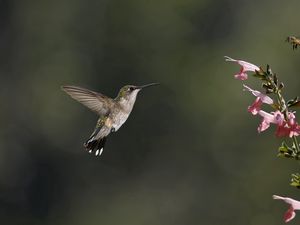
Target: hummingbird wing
{"points": [[97, 102]]}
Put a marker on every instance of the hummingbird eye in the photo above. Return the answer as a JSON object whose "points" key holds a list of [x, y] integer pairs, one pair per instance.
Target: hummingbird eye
{"points": [[130, 89]]}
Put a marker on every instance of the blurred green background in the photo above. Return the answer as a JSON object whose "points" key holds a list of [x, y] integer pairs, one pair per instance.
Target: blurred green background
{"points": [[188, 154]]}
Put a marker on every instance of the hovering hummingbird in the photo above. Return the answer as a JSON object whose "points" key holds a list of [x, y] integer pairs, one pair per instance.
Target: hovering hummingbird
{"points": [[112, 112]]}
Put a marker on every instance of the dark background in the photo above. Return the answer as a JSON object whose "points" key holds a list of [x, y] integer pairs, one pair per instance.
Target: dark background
{"points": [[188, 154]]}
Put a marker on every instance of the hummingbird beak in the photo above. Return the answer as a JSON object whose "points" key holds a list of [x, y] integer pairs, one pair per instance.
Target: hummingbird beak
{"points": [[147, 85]]}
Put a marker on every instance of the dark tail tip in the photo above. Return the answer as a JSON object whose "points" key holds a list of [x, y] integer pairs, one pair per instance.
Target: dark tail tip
{"points": [[96, 146]]}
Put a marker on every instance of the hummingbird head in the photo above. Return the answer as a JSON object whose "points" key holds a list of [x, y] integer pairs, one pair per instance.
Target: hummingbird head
{"points": [[128, 93]]}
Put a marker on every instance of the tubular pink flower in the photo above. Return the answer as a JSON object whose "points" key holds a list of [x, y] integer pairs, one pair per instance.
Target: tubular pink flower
{"points": [[261, 98], [294, 205], [289, 128], [294, 126], [268, 118], [245, 67], [292, 118], [294, 130]]}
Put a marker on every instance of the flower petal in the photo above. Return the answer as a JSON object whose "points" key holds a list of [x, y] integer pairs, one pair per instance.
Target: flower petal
{"points": [[289, 215], [241, 76], [245, 65], [264, 98], [255, 107], [263, 126], [290, 201]]}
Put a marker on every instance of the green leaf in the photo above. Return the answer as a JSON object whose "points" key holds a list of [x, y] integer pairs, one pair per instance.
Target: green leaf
{"points": [[293, 102], [260, 76], [281, 86], [287, 152], [295, 181], [269, 71]]}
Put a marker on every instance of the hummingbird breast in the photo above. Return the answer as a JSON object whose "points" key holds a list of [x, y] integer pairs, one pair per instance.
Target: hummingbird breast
{"points": [[118, 118], [122, 110]]}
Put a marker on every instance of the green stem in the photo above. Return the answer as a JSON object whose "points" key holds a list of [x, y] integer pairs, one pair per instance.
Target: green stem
{"points": [[295, 140]]}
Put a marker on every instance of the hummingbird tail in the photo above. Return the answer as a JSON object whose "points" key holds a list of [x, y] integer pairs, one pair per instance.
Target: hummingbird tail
{"points": [[96, 145], [96, 141]]}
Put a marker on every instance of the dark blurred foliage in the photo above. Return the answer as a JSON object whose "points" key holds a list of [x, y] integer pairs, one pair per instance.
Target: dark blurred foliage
{"points": [[188, 154]]}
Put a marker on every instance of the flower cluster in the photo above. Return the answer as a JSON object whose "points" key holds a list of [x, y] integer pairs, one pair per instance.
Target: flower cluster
{"points": [[280, 115], [286, 125]]}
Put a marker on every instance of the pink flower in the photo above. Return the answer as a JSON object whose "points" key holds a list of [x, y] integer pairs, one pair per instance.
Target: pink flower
{"points": [[289, 128], [261, 98], [293, 125], [284, 128], [294, 205], [268, 118], [245, 66]]}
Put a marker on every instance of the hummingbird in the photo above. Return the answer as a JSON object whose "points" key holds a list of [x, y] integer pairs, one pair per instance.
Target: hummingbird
{"points": [[112, 112]]}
